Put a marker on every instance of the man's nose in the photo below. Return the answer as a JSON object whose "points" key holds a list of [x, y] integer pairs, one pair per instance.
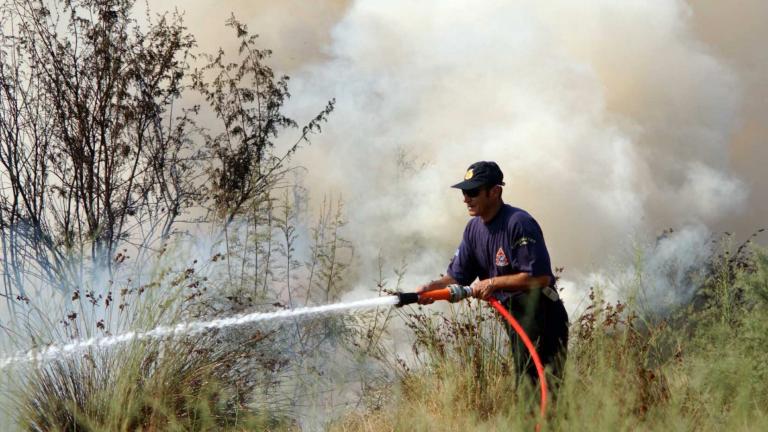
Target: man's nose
{"points": [[466, 197]]}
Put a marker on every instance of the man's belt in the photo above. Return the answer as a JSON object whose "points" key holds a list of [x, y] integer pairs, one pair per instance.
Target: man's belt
{"points": [[551, 293]]}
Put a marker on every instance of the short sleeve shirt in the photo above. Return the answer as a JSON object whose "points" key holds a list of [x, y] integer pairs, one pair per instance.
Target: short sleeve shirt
{"points": [[512, 242]]}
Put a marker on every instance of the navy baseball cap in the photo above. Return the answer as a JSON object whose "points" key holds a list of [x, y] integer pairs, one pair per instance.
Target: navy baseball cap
{"points": [[481, 173]]}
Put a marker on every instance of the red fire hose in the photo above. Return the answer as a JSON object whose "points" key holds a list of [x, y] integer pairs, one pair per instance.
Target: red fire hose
{"points": [[455, 293], [531, 349]]}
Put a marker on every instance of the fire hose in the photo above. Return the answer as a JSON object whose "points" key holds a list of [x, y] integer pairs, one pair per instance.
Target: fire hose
{"points": [[455, 293]]}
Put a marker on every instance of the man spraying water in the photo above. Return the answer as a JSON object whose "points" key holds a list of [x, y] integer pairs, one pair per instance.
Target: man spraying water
{"points": [[503, 248]]}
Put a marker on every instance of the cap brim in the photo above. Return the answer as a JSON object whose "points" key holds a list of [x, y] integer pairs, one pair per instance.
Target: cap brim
{"points": [[468, 184]]}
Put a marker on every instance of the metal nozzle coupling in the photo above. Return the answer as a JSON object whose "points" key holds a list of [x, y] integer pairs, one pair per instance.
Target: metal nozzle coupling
{"points": [[458, 292]]}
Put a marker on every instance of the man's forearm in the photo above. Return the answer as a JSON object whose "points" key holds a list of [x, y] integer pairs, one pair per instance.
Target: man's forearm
{"points": [[439, 283], [519, 281]]}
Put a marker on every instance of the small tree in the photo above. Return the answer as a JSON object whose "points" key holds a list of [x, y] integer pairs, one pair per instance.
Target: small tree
{"points": [[95, 154], [91, 146], [247, 98]]}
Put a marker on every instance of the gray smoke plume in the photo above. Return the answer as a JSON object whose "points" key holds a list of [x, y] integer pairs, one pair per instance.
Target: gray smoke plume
{"points": [[612, 121]]}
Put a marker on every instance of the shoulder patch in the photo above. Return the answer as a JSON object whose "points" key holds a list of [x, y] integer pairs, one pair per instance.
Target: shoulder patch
{"points": [[501, 258], [523, 241]]}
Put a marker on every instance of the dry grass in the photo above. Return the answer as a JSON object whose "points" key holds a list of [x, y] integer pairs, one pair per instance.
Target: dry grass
{"points": [[705, 367]]}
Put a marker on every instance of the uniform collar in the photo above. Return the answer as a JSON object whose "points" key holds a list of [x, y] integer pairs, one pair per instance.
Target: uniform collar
{"points": [[495, 217]]}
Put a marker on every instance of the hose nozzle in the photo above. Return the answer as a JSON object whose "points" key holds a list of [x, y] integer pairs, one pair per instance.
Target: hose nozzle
{"points": [[406, 299], [452, 294]]}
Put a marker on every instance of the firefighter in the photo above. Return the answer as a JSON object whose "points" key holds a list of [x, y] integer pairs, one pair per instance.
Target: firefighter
{"points": [[504, 253]]}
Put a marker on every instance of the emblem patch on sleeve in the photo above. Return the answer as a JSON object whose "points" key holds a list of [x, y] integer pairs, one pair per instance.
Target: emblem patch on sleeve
{"points": [[524, 241], [501, 259]]}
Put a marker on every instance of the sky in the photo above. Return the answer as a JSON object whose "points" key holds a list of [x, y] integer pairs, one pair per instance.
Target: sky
{"points": [[612, 121]]}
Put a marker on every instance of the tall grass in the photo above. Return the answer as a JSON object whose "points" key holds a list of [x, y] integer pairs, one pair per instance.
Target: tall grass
{"points": [[704, 367], [265, 376], [214, 381], [178, 386]]}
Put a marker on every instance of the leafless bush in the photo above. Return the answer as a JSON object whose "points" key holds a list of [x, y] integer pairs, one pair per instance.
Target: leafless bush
{"points": [[97, 150]]}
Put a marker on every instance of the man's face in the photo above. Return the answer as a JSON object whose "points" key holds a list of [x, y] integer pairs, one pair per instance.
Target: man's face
{"points": [[479, 201]]}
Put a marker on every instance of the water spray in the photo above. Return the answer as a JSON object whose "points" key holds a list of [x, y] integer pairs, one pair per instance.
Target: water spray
{"points": [[452, 294], [456, 293], [186, 329]]}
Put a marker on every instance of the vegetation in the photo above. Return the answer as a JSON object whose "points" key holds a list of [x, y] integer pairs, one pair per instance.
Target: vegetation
{"points": [[108, 176], [701, 368], [100, 150]]}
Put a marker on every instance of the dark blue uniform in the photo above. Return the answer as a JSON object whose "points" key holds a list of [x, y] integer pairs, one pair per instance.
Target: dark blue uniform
{"points": [[512, 242]]}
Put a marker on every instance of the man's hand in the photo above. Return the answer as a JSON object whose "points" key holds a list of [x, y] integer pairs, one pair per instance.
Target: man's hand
{"points": [[483, 289], [436, 284], [430, 286]]}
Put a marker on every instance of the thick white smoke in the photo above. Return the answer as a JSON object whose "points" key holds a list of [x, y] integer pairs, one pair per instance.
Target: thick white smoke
{"points": [[737, 34], [655, 276], [610, 120]]}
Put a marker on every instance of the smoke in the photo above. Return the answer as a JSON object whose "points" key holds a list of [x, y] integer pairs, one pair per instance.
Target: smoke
{"points": [[612, 121], [736, 34], [295, 30], [661, 275]]}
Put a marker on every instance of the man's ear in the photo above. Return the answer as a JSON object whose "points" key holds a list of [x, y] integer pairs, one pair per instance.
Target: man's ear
{"points": [[496, 191]]}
